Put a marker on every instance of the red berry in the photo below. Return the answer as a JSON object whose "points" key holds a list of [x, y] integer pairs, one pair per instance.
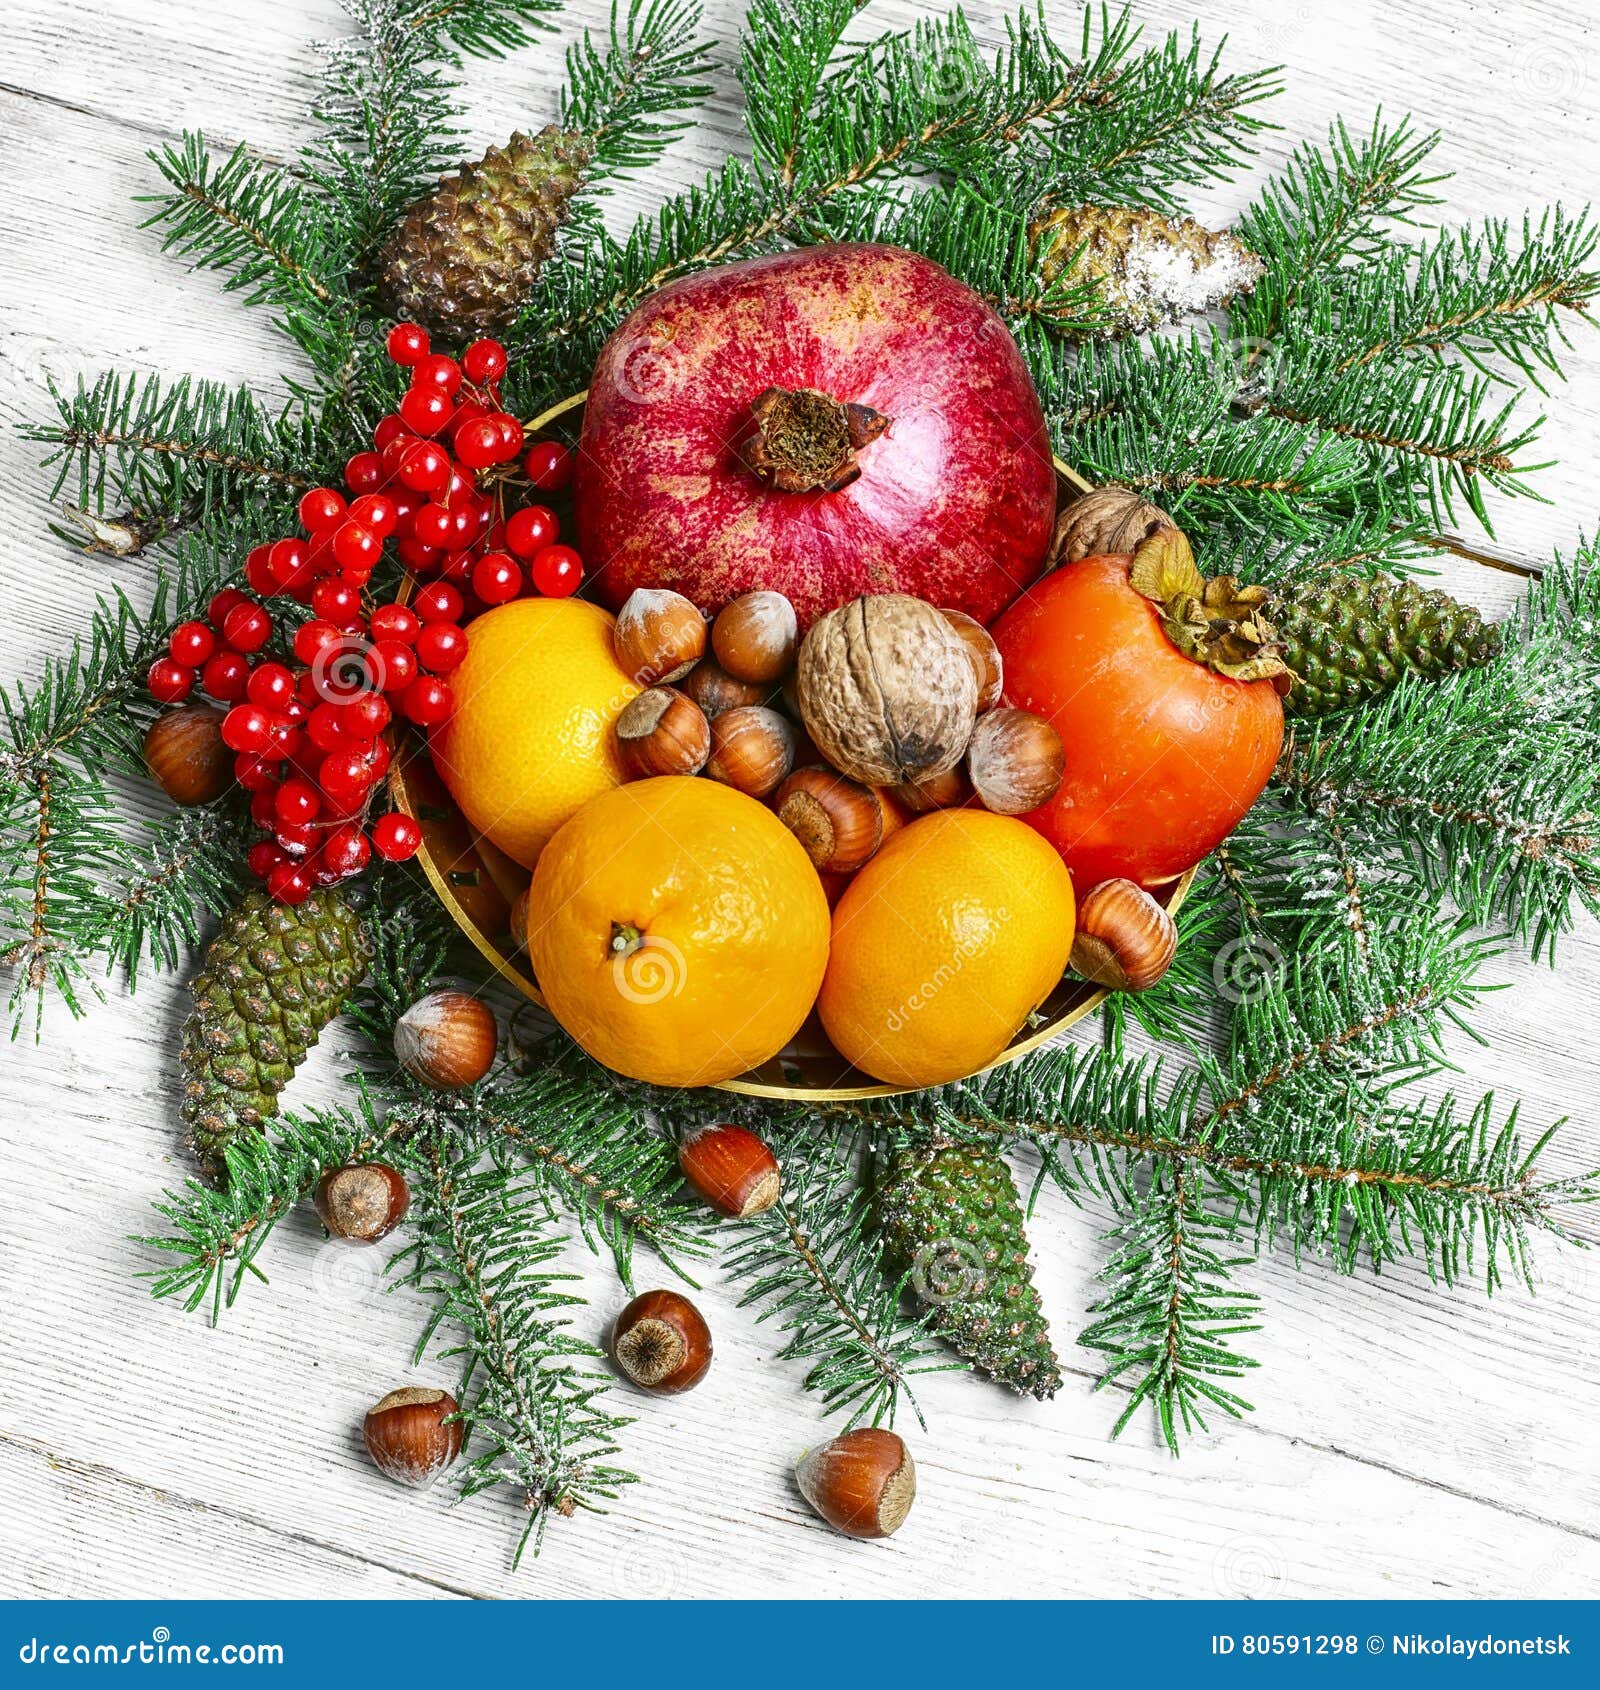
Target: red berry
{"points": [[557, 572], [478, 444], [319, 509], [288, 562], [224, 676], [425, 410], [406, 344], [346, 851], [396, 837], [169, 682], [497, 578], [288, 739], [191, 643], [271, 685], [264, 806], [440, 647], [247, 727], [344, 778], [337, 602], [325, 728], [263, 858], [288, 882], [297, 803], [510, 437], [418, 558], [254, 772], [438, 602], [549, 466], [295, 837], [364, 472], [457, 567], [355, 547], [393, 622], [222, 603], [378, 759], [313, 638], [531, 529], [378, 513], [484, 361], [390, 429], [433, 526], [438, 371], [393, 666], [425, 468], [367, 716], [427, 701]]}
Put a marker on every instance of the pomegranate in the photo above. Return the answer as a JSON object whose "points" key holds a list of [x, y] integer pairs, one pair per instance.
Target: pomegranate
{"points": [[827, 422]]}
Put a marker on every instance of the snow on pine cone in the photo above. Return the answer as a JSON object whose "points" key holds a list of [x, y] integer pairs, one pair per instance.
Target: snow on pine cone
{"points": [[1349, 638], [462, 261], [273, 978], [950, 1218]]}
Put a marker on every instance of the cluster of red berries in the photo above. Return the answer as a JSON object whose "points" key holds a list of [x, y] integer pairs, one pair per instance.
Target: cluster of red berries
{"points": [[307, 737], [449, 428]]}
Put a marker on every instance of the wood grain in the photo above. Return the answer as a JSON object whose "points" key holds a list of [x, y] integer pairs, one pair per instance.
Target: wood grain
{"points": [[1408, 1440]]}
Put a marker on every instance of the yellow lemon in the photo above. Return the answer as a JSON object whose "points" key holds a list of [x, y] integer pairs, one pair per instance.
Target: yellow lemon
{"points": [[678, 931], [943, 945], [531, 737]]}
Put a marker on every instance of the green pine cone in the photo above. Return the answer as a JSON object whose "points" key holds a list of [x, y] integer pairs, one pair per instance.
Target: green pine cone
{"points": [[1349, 639], [463, 260], [273, 978], [950, 1216]]}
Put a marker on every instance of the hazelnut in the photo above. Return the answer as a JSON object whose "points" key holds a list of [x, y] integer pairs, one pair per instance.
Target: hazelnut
{"points": [[731, 1169], [364, 1202], [983, 654], [1015, 761], [862, 1483], [756, 636], [446, 1039], [662, 731], [887, 690], [1125, 939], [407, 1435], [184, 753], [715, 690], [660, 635], [662, 1343], [752, 749], [935, 792], [838, 821]]}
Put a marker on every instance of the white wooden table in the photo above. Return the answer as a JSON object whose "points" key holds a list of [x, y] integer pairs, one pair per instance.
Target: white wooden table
{"points": [[1409, 1441]]}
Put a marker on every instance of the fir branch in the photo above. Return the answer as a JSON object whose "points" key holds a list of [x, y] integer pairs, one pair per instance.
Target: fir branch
{"points": [[247, 217], [484, 1252], [1326, 209], [619, 93], [812, 1261], [169, 448], [1171, 1313]]}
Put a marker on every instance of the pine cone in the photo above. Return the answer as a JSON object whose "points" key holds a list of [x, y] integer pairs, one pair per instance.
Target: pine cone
{"points": [[949, 1216], [1149, 269], [273, 978], [463, 260], [1349, 639]]}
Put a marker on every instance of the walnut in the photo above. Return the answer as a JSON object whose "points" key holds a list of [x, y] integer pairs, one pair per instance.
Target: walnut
{"points": [[1108, 519], [886, 690]]}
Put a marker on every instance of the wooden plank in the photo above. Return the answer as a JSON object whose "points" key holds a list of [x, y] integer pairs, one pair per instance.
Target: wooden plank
{"points": [[1408, 1440]]}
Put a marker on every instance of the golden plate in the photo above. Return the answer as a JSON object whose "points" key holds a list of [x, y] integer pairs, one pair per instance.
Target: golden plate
{"points": [[478, 884]]}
